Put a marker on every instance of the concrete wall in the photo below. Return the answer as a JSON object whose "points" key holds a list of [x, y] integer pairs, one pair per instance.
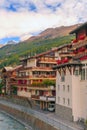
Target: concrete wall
{"points": [[31, 63], [64, 112], [32, 121]]}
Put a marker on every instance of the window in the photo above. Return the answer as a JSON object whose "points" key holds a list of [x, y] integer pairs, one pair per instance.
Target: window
{"points": [[62, 77], [83, 74], [63, 100], [68, 100], [58, 99], [63, 87], [76, 72], [68, 88]]}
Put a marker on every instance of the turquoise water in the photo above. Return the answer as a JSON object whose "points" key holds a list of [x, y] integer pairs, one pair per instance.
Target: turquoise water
{"points": [[7, 123]]}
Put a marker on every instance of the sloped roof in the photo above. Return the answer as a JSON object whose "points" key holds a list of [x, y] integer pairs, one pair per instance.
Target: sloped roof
{"points": [[78, 28], [8, 68]]}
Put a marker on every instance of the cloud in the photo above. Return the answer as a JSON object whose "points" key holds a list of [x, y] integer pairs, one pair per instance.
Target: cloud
{"points": [[25, 17]]}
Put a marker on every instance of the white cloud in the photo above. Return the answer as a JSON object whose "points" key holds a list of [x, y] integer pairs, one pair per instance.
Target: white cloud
{"points": [[25, 22]]}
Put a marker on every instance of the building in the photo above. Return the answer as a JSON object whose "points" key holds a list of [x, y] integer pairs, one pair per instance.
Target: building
{"points": [[8, 75], [36, 80], [71, 79]]}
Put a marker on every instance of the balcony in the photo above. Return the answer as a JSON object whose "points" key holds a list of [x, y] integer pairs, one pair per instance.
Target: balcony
{"points": [[45, 98], [42, 69], [80, 54], [12, 82], [80, 44], [47, 61], [35, 97], [37, 76], [49, 88], [22, 76]]}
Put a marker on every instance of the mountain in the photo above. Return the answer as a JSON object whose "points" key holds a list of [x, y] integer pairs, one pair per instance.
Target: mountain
{"points": [[51, 33], [46, 40], [1, 45], [11, 42]]}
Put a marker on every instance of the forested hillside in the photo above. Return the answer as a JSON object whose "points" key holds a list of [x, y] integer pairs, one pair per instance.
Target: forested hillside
{"points": [[9, 54]]}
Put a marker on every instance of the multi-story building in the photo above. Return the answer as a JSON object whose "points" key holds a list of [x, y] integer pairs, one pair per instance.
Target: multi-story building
{"points": [[71, 79], [8, 75], [36, 80]]}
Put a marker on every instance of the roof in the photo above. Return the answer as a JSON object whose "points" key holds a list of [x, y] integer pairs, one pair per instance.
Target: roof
{"points": [[44, 53], [78, 28], [8, 68], [68, 65]]}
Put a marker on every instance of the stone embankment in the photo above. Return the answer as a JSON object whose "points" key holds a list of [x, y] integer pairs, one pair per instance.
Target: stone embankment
{"points": [[23, 109]]}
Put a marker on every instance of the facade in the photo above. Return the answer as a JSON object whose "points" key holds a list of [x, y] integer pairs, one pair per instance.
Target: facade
{"points": [[36, 80], [71, 79], [8, 75]]}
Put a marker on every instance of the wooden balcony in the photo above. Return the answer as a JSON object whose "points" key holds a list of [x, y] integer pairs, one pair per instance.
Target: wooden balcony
{"points": [[80, 44], [35, 97], [12, 82], [80, 54], [43, 77], [22, 76], [47, 61], [42, 69]]}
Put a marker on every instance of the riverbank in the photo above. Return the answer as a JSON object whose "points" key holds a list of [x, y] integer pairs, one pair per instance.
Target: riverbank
{"points": [[36, 119]]}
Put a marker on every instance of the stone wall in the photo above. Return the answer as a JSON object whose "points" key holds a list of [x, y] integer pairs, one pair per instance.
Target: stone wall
{"points": [[19, 100], [32, 121], [64, 112]]}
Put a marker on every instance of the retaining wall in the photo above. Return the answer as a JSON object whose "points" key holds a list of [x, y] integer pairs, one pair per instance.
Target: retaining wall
{"points": [[32, 121]]}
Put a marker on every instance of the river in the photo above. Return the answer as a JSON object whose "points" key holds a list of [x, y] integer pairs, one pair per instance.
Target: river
{"points": [[8, 123]]}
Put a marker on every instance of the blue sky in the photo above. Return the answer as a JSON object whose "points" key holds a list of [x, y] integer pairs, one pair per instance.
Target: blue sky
{"points": [[20, 19]]}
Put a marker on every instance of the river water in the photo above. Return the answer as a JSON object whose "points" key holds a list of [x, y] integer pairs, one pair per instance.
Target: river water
{"points": [[8, 123]]}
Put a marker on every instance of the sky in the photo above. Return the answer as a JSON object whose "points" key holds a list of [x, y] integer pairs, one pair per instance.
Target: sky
{"points": [[21, 19]]}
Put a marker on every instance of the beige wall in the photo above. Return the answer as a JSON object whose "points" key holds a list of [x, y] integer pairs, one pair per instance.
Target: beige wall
{"points": [[31, 62], [24, 94], [64, 93], [77, 94]]}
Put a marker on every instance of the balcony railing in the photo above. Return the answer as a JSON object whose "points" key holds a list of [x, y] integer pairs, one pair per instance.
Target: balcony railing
{"points": [[43, 98], [80, 54], [41, 88], [42, 68], [80, 44], [47, 98], [48, 60], [35, 96]]}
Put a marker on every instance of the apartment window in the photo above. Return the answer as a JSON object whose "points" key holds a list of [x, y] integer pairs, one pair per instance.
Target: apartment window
{"points": [[62, 77], [58, 99], [63, 87], [68, 88], [68, 100], [83, 74], [76, 72], [63, 100]]}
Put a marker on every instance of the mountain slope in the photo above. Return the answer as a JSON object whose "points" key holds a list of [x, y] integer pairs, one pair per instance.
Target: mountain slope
{"points": [[49, 38], [51, 33]]}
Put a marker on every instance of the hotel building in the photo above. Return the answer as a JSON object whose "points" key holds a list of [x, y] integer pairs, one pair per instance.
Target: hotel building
{"points": [[71, 79]]}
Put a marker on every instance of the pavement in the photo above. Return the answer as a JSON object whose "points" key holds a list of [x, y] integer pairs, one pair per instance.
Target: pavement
{"points": [[46, 116]]}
